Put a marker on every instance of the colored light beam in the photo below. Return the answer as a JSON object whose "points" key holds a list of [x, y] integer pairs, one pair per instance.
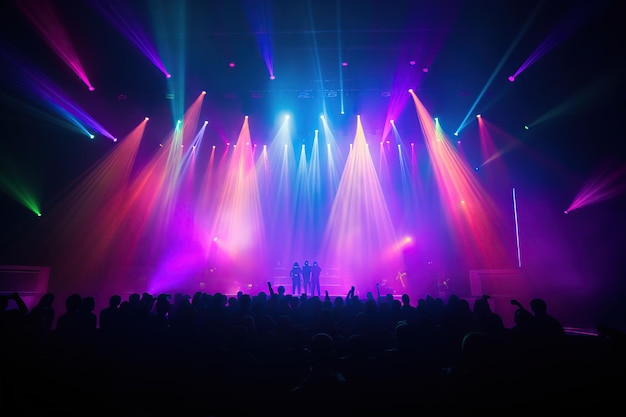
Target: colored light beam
{"points": [[44, 18], [405, 77], [32, 79], [340, 60], [15, 184], [359, 228], [601, 187], [238, 220], [577, 16], [65, 122], [260, 19], [88, 220], [478, 225], [171, 18], [487, 133], [120, 16], [601, 88], [316, 54], [466, 119]]}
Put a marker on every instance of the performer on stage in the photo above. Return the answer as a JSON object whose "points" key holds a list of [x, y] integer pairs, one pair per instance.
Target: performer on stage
{"points": [[295, 274], [306, 277], [315, 278]]}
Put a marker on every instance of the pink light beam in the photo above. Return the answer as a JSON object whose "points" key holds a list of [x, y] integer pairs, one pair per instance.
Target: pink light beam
{"points": [[43, 16]]}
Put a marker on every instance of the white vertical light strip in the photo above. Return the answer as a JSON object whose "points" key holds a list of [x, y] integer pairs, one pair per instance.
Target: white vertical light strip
{"points": [[519, 258]]}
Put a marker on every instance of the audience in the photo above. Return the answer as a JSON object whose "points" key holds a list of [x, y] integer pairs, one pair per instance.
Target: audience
{"points": [[280, 354]]}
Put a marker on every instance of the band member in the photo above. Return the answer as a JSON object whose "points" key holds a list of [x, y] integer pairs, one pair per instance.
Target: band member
{"points": [[315, 279], [306, 277], [296, 275]]}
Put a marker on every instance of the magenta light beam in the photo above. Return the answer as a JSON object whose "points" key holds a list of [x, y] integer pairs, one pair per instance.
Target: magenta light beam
{"points": [[577, 16], [120, 16], [259, 17], [33, 79], [43, 16]]}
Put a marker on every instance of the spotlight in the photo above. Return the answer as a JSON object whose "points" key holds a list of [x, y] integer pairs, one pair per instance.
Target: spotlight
{"points": [[146, 118], [410, 90], [425, 69], [272, 77], [203, 92], [511, 78], [391, 121], [478, 116], [411, 62], [91, 88], [344, 64], [91, 136], [231, 64]]}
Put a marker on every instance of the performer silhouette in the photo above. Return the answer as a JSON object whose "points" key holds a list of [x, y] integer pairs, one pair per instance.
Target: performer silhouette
{"points": [[295, 274], [315, 278], [306, 277]]}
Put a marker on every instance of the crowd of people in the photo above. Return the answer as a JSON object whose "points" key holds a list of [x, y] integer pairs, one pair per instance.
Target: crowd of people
{"points": [[276, 354]]}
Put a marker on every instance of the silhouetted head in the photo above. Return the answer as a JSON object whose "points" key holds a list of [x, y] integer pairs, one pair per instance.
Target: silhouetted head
{"points": [[73, 302], [306, 262], [315, 263], [322, 347], [538, 306], [46, 300]]}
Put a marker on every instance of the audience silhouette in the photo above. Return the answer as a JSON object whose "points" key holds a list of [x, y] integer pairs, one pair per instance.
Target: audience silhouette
{"points": [[214, 355]]}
